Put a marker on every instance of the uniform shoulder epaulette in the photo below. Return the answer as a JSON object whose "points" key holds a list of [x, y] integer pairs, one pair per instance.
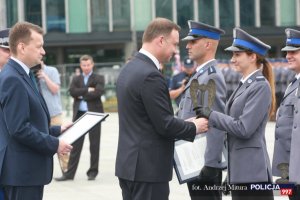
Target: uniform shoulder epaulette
{"points": [[211, 70], [260, 78]]}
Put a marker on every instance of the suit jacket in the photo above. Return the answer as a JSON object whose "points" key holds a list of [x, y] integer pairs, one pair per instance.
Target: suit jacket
{"points": [[27, 144], [245, 123], [294, 175], [147, 126], [215, 138], [79, 91], [283, 130]]}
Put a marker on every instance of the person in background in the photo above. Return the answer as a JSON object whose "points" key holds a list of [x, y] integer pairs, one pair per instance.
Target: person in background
{"points": [[4, 47], [147, 126], [86, 90], [49, 85], [245, 128], [202, 43], [27, 141], [290, 136], [285, 113], [179, 81], [4, 56]]}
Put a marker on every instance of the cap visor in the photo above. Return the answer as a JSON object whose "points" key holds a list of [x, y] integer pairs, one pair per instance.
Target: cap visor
{"points": [[233, 48], [3, 46], [189, 37], [290, 48]]}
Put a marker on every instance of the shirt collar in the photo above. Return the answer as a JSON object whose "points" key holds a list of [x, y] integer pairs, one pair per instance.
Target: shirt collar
{"points": [[203, 64], [243, 80], [26, 69], [297, 76], [148, 54]]}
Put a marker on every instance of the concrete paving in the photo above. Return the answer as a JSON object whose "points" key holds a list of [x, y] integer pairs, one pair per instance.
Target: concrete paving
{"points": [[106, 186]]}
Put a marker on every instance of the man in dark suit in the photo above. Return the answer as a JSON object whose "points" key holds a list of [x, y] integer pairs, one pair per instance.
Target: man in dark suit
{"points": [[86, 90], [27, 143], [147, 126]]}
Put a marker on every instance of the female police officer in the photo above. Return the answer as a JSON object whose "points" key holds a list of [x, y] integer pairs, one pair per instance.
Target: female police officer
{"points": [[246, 114]]}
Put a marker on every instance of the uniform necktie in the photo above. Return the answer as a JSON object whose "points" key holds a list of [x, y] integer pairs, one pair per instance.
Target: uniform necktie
{"points": [[33, 79]]}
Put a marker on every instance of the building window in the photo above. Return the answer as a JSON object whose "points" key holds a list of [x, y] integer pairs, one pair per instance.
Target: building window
{"points": [[206, 11], [267, 12], [12, 12], [226, 13], [78, 16], [32, 11], [121, 15], [100, 21], [56, 20], [288, 12], [164, 9], [142, 14], [185, 12], [247, 13]]}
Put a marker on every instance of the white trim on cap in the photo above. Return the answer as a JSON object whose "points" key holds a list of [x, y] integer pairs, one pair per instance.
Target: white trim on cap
{"points": [[4, 40]]}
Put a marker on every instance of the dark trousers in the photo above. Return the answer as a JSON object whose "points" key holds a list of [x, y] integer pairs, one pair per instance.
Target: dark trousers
{"points": [[23, 192], [94, 137], [209, 177], [132, 190]]}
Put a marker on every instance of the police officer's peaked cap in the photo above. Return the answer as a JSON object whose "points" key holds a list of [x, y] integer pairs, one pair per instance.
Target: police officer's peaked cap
{"points": [[4, 38], [200, 30], [188, 63], [292, 40], [242, 41]]}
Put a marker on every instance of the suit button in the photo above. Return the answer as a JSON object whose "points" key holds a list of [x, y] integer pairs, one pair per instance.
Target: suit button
{"points": [[276, 138], [279, 115], [295, 127], [296, 111], [277, 126]]}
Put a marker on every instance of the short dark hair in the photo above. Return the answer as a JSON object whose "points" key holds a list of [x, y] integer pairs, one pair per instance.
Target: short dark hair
{"points": [[21, 32], [159, 26]]}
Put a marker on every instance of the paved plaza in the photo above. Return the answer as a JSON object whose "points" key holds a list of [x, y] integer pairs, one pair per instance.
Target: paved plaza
{"points": [[106, 186]]}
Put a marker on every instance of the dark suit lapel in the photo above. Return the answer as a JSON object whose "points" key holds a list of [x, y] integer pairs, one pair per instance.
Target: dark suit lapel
{"points": [[26, 78], [146, 59]]}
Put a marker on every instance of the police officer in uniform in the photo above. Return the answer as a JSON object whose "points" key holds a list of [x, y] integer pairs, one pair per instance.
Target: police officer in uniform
{"points": [[202, 43], [246, 114], [292, 50], [4, 47], [179, 81], [284, 119]]}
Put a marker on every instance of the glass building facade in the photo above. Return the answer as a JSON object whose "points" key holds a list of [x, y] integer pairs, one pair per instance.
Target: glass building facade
{"points": [[112, 29]]}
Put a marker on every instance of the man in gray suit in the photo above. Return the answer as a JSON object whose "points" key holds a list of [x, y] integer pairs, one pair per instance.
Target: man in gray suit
{"points": [[285, 115], [292, 49], [202, 45]]}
